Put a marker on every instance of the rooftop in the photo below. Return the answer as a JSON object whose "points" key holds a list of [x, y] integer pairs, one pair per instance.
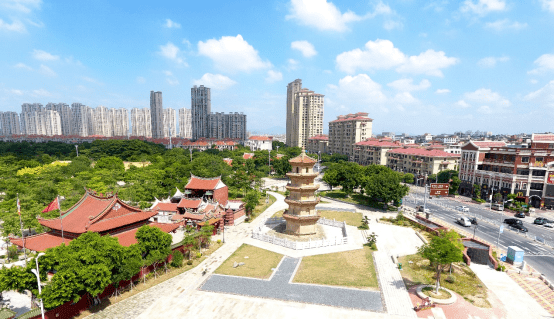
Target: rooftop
{"points": [[208, 184], [422, 152]]}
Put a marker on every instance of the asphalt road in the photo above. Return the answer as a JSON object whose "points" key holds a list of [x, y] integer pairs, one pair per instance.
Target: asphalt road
{"points": [[538, 255]]}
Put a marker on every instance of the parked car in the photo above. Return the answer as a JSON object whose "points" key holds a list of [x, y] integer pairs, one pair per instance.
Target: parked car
{"points": [[512, 221], [462, 208], [520, 215], [497, 207], [541, 221], [464, 221], [519, 227], [549, 225], [473, 220], [420, 209]]}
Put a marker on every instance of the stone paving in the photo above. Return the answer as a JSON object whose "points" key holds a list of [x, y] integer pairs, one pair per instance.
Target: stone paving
{"points": [[280, 287], [536, 289]]}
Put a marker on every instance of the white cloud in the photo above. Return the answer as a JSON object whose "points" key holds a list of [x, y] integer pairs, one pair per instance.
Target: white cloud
{"points": [[462, 104], [16, 26], [292, 64], [91, 80], [305, 47], [46, 71], [544, 95], [23, 6], [16, 92], [485, 109], [548, 5], [172, 81], [505, 24], [442, 91], [273, 76], [171, 24], [172, 52], [544, 63], [168, 73], [187, 43], [23, 66], [405, 98], [359, 89], [41, 93], [429, 62], [325, 15], [483, 7], [381, 54], [44, 56], [215, 81], [378, 54], [408, 85], [391, 25], [489, 101], [232, 54], [141, 80], [533, 81], [490, 62]]}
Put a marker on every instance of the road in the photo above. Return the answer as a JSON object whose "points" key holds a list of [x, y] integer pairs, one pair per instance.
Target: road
{"points": [[537, 255]]}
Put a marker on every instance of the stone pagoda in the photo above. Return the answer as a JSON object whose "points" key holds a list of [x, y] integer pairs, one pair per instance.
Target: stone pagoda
{"points": [[301, 217]]}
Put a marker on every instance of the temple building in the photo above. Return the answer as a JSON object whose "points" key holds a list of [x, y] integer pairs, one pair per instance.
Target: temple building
{"points": [[301, 217], [103, 214]]}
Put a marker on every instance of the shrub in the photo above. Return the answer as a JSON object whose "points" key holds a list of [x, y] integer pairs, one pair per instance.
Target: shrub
{"points": [[198, 255], [189, 262], [363, 226], [177, 259], [12, 252], [501, 268], [373, 246], [451, 279], [219, 241]]}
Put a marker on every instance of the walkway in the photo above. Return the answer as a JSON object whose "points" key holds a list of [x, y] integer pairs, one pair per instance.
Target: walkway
{"points": [[536, 288], [280, 287], [517, 302]]}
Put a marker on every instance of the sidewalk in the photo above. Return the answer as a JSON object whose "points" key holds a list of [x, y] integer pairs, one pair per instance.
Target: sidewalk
{"points": [[517, 302]]}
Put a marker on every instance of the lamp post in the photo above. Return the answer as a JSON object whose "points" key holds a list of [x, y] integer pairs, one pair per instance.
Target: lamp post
{"points": [[77, 149], [37, 273], [190, 149]]}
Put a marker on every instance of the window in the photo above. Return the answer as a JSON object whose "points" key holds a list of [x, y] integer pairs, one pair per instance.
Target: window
{"points": [[539, 159], [525, 159]]}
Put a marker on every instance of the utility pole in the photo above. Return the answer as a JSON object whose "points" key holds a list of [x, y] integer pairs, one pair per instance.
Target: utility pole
{"points": [[77, 148]]}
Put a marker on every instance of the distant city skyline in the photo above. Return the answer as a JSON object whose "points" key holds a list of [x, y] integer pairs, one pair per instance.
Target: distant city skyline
{"points": [[414, 67]]}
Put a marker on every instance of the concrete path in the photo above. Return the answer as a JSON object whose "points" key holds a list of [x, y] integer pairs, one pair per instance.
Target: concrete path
{"points": [[280, 287], [517, 302]]}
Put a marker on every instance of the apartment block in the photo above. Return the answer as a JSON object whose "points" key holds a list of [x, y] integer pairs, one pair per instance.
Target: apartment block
{"points": [[223, 126], [348, 130], [318, 144], [64, 111], [120, 121], [141, 123], [374, 151], [201, 107], [80, 114], [304, 114], [156, 114], [10, 123], [170, 123], [420, 161], [185, 123], [102, 121]]}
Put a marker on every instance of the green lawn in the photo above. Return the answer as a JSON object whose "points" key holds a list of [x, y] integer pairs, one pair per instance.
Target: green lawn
{"points": [[355, 198], [350, 268], [466, 283], [352, 219], [279, 213], [261, 207], [258, 264]]}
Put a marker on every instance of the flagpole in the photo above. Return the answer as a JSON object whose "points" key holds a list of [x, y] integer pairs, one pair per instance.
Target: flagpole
{"points": [[21, 227], [60, 208]]}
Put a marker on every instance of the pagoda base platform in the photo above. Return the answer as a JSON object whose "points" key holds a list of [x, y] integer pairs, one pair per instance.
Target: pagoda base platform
{"points": [[301, 225]]}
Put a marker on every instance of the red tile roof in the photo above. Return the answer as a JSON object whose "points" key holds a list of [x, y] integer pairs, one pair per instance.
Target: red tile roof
{"points": [[127, 238], [302, 158], [188, 215], [322, 137], [202, 183], [189, 203], [261, 138], [96, 213], [229, 161], [543, 137], [422, 152], [40, 242], [247, 155], [352, 117], [379, 143], [488, 144], [166, 207]]}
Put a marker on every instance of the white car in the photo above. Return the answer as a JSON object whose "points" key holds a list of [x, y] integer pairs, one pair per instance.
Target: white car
{"points": [[464, 221], [549, 225], [462, 208]]}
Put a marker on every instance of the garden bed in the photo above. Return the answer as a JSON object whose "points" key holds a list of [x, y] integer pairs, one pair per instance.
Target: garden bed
{"points": [[356, 198], [258, 263]]}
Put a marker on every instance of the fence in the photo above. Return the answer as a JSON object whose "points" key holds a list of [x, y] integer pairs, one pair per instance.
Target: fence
{"points": [[299, 245]]}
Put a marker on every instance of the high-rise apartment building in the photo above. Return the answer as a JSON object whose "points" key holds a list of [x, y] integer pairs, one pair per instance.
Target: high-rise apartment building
{"points": [[292, 88], [201, 107], [10, 123], [120, 121], [170, 123], [156, 114], [28, 118], [102, 121], [232, 125], [141, 124], [185, 123], [79, 119], [348, 130], [65, 115], [304, 114]]}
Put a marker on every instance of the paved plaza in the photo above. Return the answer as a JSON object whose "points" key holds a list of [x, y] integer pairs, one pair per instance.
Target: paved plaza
{"points": [[280, 287]]}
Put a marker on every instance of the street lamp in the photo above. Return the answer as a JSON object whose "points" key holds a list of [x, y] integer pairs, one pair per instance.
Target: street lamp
{"points": [[190, 149], [37, 273], [77, 149]]}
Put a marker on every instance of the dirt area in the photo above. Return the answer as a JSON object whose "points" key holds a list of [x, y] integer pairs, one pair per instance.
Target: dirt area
{"points": [[430, 291]]}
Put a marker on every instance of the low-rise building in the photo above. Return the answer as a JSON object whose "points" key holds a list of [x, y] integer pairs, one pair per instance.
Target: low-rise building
{"points": [[259, 143], [420, 161], [373, 151], [318, 144], [348, 130]]}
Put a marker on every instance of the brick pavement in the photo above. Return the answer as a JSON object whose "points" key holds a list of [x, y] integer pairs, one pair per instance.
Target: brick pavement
{"points": [[536, 288]]}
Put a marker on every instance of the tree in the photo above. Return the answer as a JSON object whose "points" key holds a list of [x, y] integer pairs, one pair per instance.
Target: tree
{"points": [[497, 197], [386, 187], [250, 201], [476, 191], [409, 178], [110, 163], [154, 244], [440, 252]]}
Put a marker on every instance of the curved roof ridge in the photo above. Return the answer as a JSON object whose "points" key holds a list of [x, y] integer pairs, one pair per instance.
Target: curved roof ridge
{"points": [[205, 178]]}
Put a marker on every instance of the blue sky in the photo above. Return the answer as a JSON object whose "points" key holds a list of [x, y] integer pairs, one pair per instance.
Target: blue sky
{"points": [[414, 66]]}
